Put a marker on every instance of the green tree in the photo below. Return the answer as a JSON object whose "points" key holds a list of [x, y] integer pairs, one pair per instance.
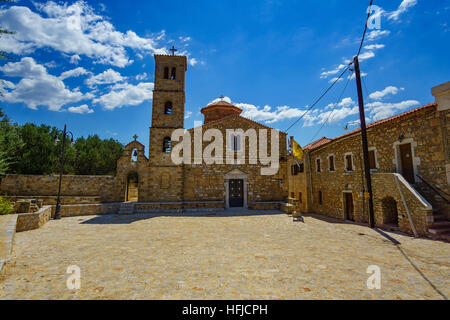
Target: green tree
{"points": [[96, 157], [10, 143]]}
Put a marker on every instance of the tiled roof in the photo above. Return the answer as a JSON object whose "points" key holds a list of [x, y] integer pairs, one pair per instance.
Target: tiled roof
{"points": [[237, 116], [222, 104], [317, 143], [323, 141]]}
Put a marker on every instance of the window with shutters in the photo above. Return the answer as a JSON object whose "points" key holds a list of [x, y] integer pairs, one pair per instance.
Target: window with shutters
{"points": [[372, 159], [331, 163]]}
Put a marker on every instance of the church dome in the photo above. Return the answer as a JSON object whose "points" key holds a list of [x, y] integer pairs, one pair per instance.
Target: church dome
{"points": [[219, 110]]}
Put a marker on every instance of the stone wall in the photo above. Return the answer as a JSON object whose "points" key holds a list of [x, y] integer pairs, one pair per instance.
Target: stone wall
{"points": [[385, 187], [422, 128], [72, 186], [89, 209], [32, 221], [298, 185]]}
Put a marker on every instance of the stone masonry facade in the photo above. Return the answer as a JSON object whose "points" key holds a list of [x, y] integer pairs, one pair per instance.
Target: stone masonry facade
{"points": [[332, 178], [157, 182]]}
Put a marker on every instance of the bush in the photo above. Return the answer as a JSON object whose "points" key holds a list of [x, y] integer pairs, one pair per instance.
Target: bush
{"points": [[5, 206]]}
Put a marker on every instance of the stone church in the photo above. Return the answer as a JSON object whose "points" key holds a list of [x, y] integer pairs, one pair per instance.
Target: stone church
{"points": [[156, 183]]}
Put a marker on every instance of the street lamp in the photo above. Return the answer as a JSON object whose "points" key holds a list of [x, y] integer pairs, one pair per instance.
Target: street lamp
{"points": [[58, 202]]}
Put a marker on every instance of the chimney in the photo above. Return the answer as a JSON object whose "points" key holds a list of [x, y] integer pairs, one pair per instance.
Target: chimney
{"points": [[442, 95]]}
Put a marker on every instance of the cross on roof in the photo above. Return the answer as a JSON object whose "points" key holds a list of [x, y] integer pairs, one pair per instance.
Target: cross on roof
{"points": [[135, 137], [173, 50], [222, 97]]}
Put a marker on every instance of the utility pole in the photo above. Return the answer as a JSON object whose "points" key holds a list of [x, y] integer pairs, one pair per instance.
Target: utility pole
{"points": [[368, 195]]}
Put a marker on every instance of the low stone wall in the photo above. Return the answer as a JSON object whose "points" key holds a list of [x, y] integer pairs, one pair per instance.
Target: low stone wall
{"points": [[8, 225], [104, 187], [65, 200], [89, 209], [32, 221], [178, 207], [275, 205], [385, 187]]}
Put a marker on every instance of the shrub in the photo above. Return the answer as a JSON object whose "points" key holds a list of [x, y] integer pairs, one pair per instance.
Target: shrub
{"points": [[5, 206]]}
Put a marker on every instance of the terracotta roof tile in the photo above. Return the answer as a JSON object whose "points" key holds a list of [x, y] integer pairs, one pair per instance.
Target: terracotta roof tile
{"points": [[237, 116], [323, 141]]}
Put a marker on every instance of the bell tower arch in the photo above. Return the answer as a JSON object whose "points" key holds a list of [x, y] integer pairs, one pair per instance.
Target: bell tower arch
{"points": [[167, 116]]}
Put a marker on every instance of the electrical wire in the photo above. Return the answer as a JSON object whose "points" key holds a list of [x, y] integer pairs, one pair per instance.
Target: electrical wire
{"points": [[365, 28], [319, 99], [334, 107], [341, 75]]}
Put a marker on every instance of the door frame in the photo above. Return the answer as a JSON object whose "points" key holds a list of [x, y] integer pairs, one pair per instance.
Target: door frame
{"points": [[235, 174], [397, 158], [344, 201]]}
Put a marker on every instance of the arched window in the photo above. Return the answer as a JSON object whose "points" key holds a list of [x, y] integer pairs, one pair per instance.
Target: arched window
{"points": [[166, 73], [168, 108], [134, 155], [173, 74], [167, 145]]}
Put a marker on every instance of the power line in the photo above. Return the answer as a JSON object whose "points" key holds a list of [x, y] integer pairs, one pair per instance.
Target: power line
{"points": [[365, 27], [340, 76], [320, 98], [334, 107]]}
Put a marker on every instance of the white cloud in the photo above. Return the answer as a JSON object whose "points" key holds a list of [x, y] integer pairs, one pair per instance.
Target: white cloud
{"points": [[192, 61], [268, 115], [374, 46], [188, 115], [353, 76], [81, 109], [380, 110], [126, 95], [366, 55], [265, 114], [326, 74], [37, 87], [404, 6], [72, 29], [346, 108], [106, 77], [373, 35], [142, 76], [378, 95], [75, 59], [184, 39], [74, 73], [226, 99]]}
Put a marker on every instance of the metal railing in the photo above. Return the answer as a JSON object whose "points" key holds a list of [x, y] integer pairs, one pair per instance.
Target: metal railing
{"points": [[435, 189]]}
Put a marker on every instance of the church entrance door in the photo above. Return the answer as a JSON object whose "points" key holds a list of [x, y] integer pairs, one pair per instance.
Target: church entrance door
{"points": [[236, 193]]}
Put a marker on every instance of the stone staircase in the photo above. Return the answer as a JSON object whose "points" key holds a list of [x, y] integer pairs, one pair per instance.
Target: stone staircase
{"points": [[440, 229], [126, 208]]}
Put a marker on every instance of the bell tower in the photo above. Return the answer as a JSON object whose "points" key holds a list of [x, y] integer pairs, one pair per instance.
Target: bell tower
{"points": [[168, 105], [165, 180]]}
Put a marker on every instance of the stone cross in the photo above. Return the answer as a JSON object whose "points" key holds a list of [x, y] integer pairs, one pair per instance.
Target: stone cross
{"points": [[135, 137], [173, 50]]}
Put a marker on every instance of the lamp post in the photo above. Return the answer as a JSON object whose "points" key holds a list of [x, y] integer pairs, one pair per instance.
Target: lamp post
{"points": [[58, 202]]}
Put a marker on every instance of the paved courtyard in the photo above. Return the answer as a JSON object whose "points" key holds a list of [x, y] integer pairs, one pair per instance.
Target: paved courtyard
{"points": [[222, 257]]}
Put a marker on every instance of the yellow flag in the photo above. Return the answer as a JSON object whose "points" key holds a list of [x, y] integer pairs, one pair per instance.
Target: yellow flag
{"points": [[297, 151]]}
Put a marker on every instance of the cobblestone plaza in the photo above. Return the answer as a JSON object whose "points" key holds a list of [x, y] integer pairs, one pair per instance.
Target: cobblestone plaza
{"points": [[223, 256]]}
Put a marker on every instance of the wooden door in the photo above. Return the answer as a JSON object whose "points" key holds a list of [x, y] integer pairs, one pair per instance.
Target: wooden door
{"points": [[406, 161], [348, 204], [236, 193]]}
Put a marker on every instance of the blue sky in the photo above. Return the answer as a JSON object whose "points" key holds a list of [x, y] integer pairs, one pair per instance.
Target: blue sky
{"points": [[89, 64]]}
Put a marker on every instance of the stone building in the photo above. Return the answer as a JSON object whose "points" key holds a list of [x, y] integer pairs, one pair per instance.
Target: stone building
{"points": [[410, 168], [161, 183], [157, 183]]}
